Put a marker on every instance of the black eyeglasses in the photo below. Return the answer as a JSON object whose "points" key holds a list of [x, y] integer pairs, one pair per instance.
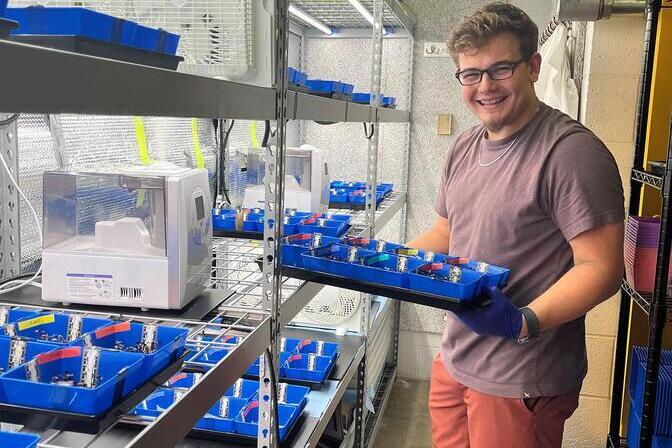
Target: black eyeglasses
{"points": [[497, 72]]}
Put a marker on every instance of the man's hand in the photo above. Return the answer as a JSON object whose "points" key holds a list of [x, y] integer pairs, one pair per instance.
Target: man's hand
{"points": [[499, 318]]}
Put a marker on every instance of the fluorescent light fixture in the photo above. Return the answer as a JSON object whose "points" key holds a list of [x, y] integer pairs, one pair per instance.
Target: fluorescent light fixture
{"points": [[296, 12], [364, 12]]}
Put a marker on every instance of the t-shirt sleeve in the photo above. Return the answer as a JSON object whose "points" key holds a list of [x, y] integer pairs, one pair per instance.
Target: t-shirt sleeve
{"points": [[581, 185]]}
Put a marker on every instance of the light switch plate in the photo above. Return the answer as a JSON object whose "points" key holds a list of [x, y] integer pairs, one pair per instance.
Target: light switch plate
{"points": [[445, 126], [436, 50]]}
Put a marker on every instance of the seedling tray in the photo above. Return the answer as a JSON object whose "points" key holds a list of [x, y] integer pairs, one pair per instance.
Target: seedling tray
{"points": [[85, 423]]}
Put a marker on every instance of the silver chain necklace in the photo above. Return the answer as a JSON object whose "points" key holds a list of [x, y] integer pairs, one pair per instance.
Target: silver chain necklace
{"points": [[480, 151]]}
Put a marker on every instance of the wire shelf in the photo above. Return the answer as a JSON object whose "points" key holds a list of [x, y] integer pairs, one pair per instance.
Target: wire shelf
{"points": [[341, 14], [643, 300], [647, 178]]}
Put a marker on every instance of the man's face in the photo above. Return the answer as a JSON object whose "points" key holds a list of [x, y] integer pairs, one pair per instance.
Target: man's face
{"points": [[500, 104]]}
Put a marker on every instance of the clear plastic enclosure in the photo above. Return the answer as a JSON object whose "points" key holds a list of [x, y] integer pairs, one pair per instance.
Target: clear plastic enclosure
{"points": [[105, 213]]}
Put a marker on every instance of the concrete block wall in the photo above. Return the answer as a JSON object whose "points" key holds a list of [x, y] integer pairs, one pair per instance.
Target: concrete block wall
{"points": [[610, 88]]}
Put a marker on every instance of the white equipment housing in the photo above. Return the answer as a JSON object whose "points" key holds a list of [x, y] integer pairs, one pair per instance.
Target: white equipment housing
{"points": [[138, 237], [307, 180]]}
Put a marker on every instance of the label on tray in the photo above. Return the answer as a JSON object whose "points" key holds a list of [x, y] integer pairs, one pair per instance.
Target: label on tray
{"points": [[90, 286], [317, 240], [90, 364], [320, 348], [312, 361], [352, 254], [238, 388], [32, 372], [429, 256], [17, 353], [380, 245], [149, 338], [121, 327], [303, 343], [224, 407], [36, 321], [63, 353], [4, 315], [282, 393], [402, 264], [482, 267]]}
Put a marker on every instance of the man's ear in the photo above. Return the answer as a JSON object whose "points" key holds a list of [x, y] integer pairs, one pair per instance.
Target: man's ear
{"points": [[535, 66]]}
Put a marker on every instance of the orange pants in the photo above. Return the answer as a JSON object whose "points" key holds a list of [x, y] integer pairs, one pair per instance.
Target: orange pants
{"points": [[465, 418]]}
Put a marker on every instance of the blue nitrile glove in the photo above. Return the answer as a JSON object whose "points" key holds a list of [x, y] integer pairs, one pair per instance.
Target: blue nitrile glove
{"points": [[498, 318]]}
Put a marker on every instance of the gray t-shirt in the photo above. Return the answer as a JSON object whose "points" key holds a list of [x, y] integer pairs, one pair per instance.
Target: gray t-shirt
{"points": [[557, 181]]}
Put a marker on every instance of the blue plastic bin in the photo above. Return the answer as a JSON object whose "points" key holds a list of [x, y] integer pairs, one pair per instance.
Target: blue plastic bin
{"points": [[294, 245], [246, 422], [495, 275], [3, 8], [634, 431], [183, 380], [381, 268], [333, 259], [321, 85], [466, 289], [327, 227], [221, 416], [338, 195], [388, 101], [372, 245], [18, 440], [224, 219], [62, 21], [346, 88], [663, 420], [17, 314], [155, 404], [320, 348], [114, 368], [359, 197], [53, 327], [421, 255], [291, 75], [300, 78], [125, 336], [295, 367], [209, 356], [33, 348], [155, 39]]}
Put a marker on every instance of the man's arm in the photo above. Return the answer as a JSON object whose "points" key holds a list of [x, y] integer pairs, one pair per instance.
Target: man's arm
{"points": [[436, 239], [595, 277]]}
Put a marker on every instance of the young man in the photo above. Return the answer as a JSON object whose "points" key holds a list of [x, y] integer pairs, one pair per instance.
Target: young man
{"points": [[531, 189]]}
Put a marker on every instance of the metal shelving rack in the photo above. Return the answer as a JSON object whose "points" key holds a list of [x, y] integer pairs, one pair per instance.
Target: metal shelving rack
{"points": [[657, 305], [262, 304]]}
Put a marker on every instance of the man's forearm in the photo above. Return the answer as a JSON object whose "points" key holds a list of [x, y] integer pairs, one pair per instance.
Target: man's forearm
{"points": [[431, 240], [582, 288]]}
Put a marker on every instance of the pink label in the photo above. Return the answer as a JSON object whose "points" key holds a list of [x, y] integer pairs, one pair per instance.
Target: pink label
{"points": [[176, 378], [113, 329], [293, 358], [304, 343], [249, 407], [63, 353]]}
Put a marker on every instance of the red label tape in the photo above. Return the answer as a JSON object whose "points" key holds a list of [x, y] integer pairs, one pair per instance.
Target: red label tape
{"points": [[113, 329], [63, 353]]}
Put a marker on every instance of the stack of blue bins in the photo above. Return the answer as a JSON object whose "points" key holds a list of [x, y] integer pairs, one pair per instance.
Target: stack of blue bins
{"points": [[82, 22], [343, 192], [236, 412], [662, 426], [330, 87], [393, 265], [294, 245], [365, 98], [296, 77], [18, 440], [58, 345]]}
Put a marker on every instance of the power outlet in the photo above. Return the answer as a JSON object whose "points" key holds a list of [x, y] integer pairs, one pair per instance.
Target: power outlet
{"points": [[436, 50]]}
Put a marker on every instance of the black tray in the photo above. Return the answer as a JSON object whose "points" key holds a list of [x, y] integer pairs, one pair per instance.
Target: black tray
{"points": [[6, 27], [393, 292], [239, 234], [108, 50], [350, 205], [89, 424]]}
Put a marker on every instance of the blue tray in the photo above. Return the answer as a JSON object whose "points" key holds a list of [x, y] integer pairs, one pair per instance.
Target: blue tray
{"points": [[246, 422], [114, 368], [17, 314], [224, 219], [253, 225], [422, 255], [320, 348], [154, 39], [495, 275], [294, 366], [372, 245], [3, 8], [382, 269], [634, 431], [338, 195], [18, 440], [330, 227], [33, 348], [294, 245], [183, 380], [467, 289], [320, 85], [53, 327], [359, 197], [124, 336], [62, 21], [346, 88], [348, 185], [221, 416], [332, 259], [663, 418]]}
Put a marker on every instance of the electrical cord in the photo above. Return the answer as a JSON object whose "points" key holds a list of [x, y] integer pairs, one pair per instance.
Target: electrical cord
{"points": [[9, 120], [367, 134], [274, 391], [4, 287], [224, 141], [267, 133]]}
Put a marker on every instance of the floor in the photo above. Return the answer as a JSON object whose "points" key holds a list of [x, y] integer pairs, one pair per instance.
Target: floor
{"points": [[406, 419]]}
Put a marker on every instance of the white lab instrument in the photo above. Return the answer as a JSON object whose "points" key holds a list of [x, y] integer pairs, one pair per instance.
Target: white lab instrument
{"points": [[306, 180], [134, 237]]}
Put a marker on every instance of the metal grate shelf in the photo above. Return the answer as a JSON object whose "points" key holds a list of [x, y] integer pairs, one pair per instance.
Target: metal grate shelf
{"points": [[647, 178], [643, 300]]}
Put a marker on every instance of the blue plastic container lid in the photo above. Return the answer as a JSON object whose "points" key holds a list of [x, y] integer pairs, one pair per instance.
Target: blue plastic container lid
{"points": [[18, 440]]}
